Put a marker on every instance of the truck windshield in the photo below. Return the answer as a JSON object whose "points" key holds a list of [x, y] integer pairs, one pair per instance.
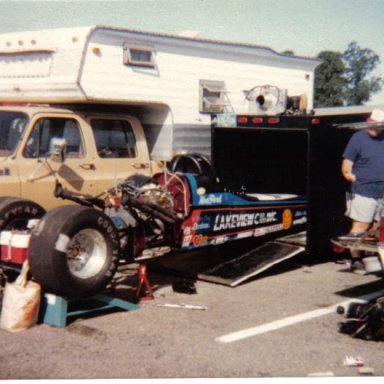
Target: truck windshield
{"points": [[12, 125]]}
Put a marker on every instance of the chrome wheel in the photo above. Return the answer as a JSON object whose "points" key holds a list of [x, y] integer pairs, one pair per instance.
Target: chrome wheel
{"points": [[87, 253]]}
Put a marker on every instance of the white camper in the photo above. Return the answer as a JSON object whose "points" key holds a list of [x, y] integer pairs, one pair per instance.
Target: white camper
{"points": [[172, 84]]}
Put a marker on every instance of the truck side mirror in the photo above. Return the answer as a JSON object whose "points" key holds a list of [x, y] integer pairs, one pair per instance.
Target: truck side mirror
{"points": [[57, 149]]}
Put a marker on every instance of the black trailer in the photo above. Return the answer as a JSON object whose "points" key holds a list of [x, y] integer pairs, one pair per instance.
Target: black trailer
{"points": [[295, 154]]}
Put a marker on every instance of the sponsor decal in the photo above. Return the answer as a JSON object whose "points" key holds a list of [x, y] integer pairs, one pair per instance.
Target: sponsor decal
{"points": [[199, 240], [300, 212], [224, 221], [260, 232], [210, 199], [202, 226], [302, 220], [243, 235], [226, 120], [287, 218], [187, 231], [265, 230], [220, 240], [186, 241], [216, 225]]}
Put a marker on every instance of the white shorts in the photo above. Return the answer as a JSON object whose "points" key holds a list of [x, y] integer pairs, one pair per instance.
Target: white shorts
{"points": [[363, 209]]}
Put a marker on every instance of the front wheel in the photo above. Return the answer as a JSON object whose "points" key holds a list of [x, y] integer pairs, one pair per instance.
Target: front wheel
{"points": [[16, 212], [74, 251]]}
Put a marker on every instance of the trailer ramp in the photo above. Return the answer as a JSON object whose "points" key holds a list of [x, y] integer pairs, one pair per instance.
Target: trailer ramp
{"points": [[252, 263]]}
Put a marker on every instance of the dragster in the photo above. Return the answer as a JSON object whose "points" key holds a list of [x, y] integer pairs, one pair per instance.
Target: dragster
{"points": [[74, 250]]}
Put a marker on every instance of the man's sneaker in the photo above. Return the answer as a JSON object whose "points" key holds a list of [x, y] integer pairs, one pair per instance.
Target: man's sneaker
{"points": [[357, 266], [350, 236]]}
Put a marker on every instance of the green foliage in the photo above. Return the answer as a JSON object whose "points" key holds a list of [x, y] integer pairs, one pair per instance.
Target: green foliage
{"points": [[345, 78], [359, 65], [329, 80]]}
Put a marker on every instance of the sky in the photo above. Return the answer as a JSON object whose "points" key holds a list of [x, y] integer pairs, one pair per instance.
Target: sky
{"points": [[306, 27]]}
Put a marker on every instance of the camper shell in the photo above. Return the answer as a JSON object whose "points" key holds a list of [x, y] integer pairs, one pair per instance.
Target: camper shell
{"points": [[171, 83]]}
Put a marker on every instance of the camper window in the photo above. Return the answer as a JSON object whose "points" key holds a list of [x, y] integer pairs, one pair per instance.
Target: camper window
{"points": [[212, 95], [139, 56]]}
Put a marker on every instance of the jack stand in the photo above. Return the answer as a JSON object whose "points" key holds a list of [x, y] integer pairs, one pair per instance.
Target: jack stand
{"points": [[144, 280], [55, 310]]}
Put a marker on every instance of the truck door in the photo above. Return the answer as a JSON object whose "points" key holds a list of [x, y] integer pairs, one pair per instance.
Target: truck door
{"points": [[38, 177], [121, 150]]}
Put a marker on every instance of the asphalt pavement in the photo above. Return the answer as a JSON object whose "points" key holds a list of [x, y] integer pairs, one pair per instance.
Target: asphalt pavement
{"points": [[281, 324]]}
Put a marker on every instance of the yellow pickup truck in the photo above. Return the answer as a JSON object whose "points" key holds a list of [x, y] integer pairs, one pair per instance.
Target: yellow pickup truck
{"points": [[100, 150]]}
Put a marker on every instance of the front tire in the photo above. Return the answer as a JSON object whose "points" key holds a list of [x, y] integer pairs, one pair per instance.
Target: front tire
{"points": [[74, 251], [15, 213]]}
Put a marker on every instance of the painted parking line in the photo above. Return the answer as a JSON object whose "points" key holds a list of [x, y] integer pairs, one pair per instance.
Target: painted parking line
{"points": [[278, 324]]}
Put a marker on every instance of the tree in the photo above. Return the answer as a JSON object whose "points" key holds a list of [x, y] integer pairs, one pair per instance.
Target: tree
{"points": [[345, 78], [330, 82], [359, 65]]}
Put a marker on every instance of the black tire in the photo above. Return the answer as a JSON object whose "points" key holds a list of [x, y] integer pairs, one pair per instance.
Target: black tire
{"points": [[15, 212], [199, 166], [182, 163], [74, 251]]}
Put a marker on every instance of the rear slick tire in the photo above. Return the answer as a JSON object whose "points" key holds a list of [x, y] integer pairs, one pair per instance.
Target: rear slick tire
{"points": [[74, 251]]}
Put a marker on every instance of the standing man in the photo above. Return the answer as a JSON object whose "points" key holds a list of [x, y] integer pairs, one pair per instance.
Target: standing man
{"points": [[363, 167]]}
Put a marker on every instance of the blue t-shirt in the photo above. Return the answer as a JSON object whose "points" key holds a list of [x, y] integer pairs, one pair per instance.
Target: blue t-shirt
{"points": [[367, 155]]}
